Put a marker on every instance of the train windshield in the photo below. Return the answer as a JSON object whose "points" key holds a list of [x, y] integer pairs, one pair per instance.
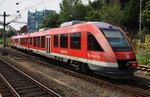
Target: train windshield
{"points": [[117, 41]]}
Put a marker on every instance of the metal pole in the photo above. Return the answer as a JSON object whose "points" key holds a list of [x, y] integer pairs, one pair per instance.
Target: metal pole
{"points": [[4, 53], [4, 31], [140, 23]]}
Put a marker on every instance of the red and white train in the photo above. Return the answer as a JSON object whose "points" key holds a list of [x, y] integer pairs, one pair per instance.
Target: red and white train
{"points": [[97, 46]]}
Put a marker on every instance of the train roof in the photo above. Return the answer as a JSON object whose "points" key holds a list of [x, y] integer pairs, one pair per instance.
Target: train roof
{"points": [[103, 25], [70, 23], [82, 26]]}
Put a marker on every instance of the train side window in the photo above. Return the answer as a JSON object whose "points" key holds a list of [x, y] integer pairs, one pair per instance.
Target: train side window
{"points": [[75, 40], [55, 40], [38, 41], [23, 41], [43, 41], [34, 44], [64, 40], [30, 40], [16, 40], [93, 43], [26, 40]]}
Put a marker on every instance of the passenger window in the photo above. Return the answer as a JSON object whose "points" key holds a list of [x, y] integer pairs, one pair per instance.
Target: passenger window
{"points": [[93, 44], [38, 41], [75, 40], [26, 40], [23, 41], [43, 41], [55, 40], [34, 42], [30, 40], [64, 40]]}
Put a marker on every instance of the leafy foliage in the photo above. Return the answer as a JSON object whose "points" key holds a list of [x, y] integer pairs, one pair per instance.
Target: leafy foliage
{"points": [[126, 16], [7, 41], [144, 58], [67, 7], [113, 15], [146, 16], [51, 21], [131, 15]]}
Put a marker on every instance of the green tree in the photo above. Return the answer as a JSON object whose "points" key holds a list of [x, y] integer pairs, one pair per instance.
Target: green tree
{"points": [[94, 9], [67, 9], [112, 14], [131, 15], [97, 4], [146, 15], [79, 12], [51, 21], [93, 15]]}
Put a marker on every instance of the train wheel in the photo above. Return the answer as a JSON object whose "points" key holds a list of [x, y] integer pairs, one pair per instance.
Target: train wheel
{"points": [[84, 68], [68, 62]]}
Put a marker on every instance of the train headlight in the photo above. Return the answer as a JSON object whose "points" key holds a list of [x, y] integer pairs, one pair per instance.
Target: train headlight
{"points": [[134, 65]]}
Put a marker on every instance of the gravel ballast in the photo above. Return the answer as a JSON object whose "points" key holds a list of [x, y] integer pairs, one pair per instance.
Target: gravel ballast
{"points": [[66, 85]]}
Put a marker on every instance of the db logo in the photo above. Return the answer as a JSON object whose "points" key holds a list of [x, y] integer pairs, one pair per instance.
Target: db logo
{"points": [[127, 56]]}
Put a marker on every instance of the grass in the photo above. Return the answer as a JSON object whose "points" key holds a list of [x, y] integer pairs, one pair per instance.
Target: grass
{"points": [[144, 57], [7, 41]]}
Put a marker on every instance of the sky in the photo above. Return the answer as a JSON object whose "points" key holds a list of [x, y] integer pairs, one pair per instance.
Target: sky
{"points": [[10, 7]]}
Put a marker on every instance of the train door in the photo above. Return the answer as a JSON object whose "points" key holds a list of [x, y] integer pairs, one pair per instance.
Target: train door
{"points": [[48, 44]]}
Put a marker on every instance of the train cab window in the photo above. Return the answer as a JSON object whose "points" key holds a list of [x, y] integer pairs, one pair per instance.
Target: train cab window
{"points": [[55, 40], [43, 41], [93, 44], [75, 40], [64, 40], [34, 44], [38, 41], [30, 40], [117, 40]]}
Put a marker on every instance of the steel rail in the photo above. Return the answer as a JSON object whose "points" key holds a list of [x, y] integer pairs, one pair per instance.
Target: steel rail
{"points": [[47, 90], [130, 90], [143, 68], [9, 86]]}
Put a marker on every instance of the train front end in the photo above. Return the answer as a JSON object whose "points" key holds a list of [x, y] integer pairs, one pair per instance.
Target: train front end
{"points": [[122, 50]]}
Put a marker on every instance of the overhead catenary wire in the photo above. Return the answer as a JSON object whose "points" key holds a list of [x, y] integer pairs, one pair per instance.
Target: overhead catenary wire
{"points": [[27, 8], [40, 3]]}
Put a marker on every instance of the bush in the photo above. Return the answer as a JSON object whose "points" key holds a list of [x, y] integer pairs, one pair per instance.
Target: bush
{"points": [[147, 42], [144, 57], [1, 41], [136, 44], [6, 42]]}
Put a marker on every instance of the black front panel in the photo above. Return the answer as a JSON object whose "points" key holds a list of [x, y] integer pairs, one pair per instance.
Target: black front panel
{"points": [[124, 64]]}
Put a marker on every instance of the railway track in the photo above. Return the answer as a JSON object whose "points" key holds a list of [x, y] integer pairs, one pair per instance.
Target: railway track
{"points": [[20, 84], [131, 90], [5, 91], [144, 68]]}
